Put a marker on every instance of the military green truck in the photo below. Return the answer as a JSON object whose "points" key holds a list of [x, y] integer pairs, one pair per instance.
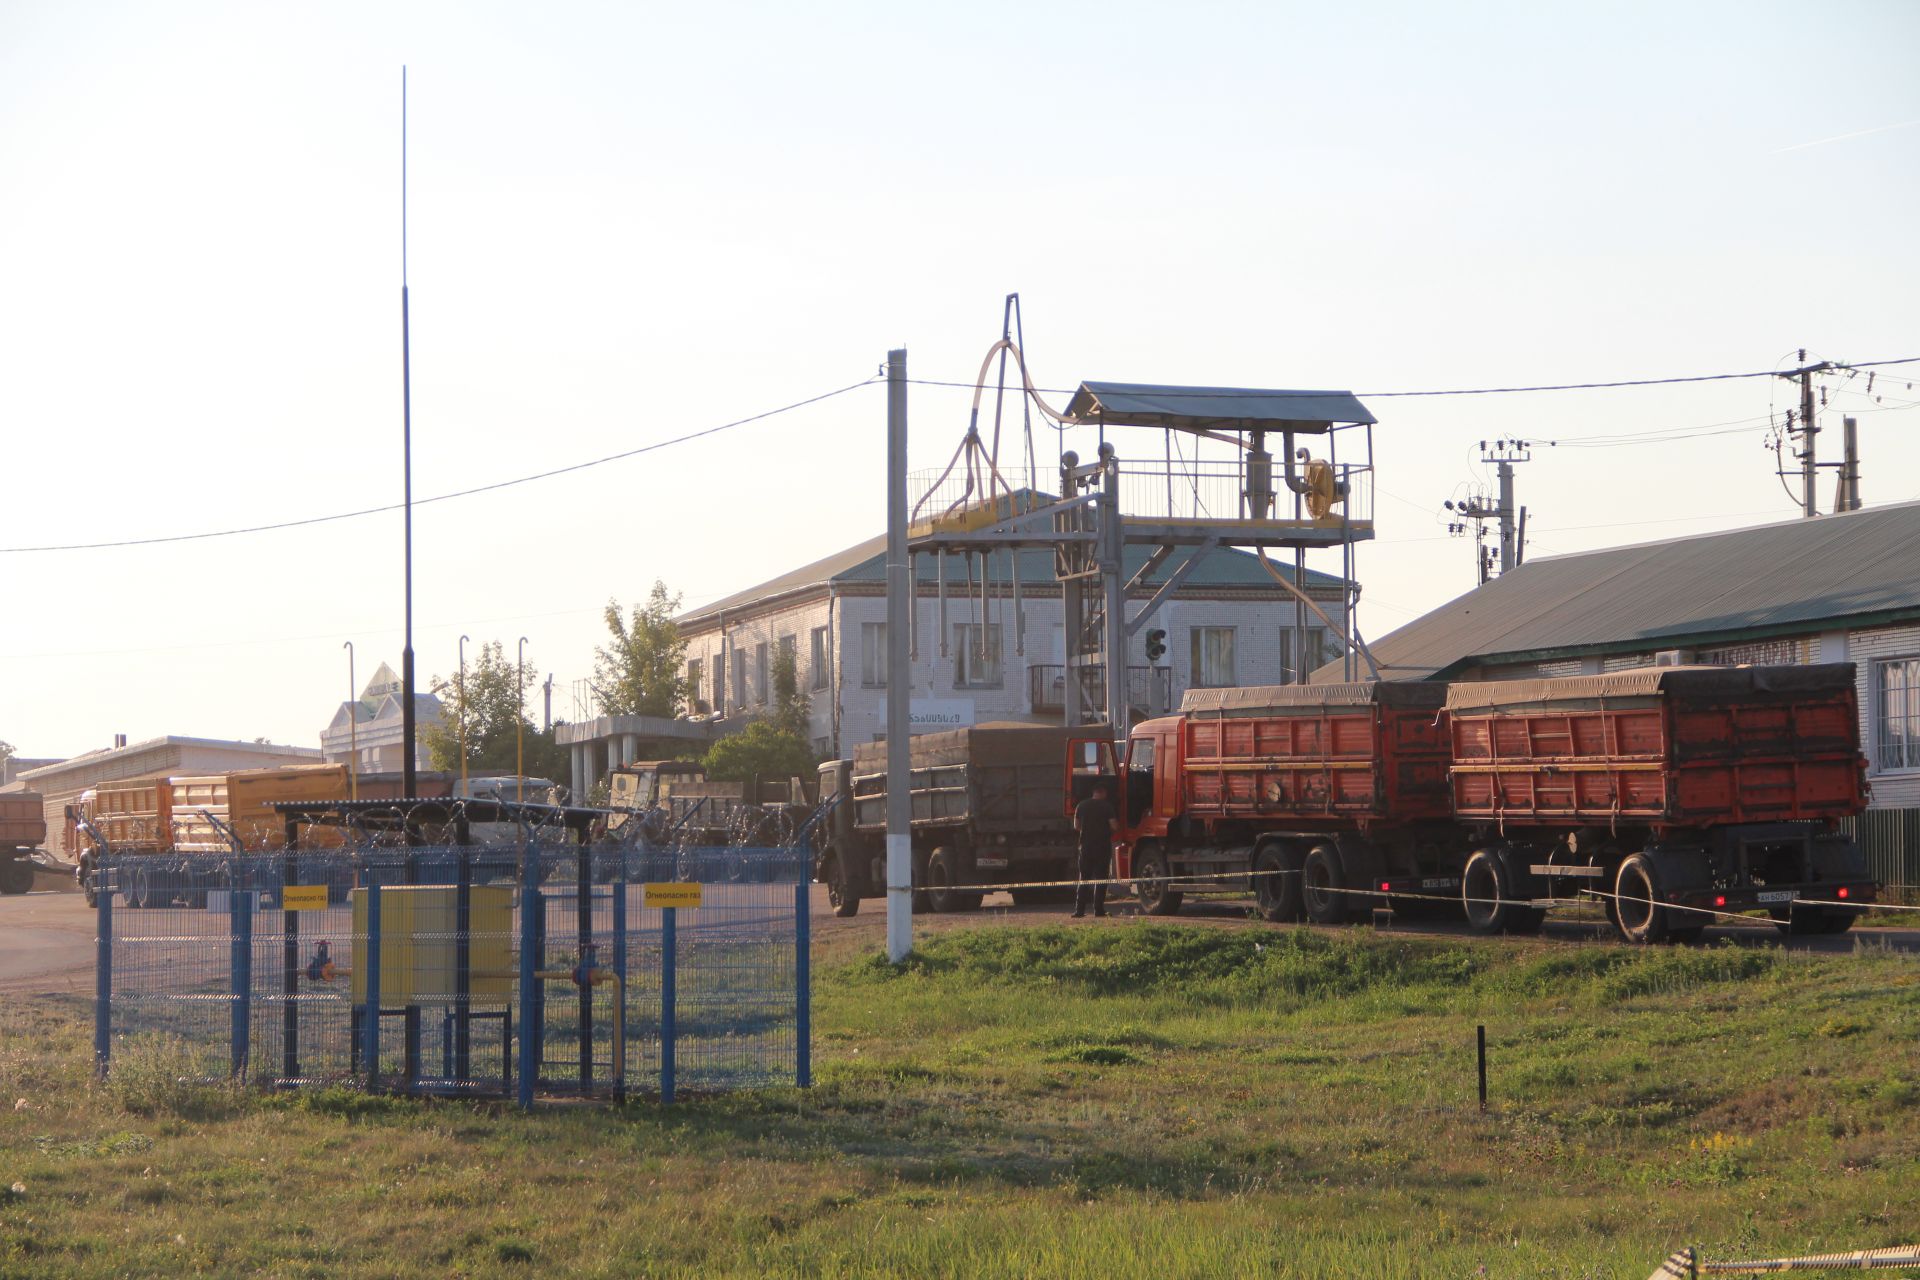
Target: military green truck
{"points": [[988, 809]]}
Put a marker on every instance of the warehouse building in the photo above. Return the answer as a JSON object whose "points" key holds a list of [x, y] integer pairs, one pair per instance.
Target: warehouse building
{"points": [[1839, 588]]}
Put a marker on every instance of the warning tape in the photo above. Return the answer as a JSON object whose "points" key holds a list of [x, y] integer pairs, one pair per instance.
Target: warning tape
{"points": [[1181, 882]]}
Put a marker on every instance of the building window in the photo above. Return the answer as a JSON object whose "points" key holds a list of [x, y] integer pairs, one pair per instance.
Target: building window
{"points": [[693, 683], [873, 655], [1212, 658], [976, 655], [760, 673], [1896, 700], [820, 668], [739, 677], [1317, 649]]}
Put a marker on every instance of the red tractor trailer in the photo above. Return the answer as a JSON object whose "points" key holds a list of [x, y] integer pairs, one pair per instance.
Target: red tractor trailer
{"points": [[1673, 792]]}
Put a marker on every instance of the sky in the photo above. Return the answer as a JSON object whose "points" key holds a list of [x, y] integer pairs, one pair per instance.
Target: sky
{"points": [[631, 222]]}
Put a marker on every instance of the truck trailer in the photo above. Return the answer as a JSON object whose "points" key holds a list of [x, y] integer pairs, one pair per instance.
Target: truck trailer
{"points": [[985, 805], [1671, 792], [23, 828]]}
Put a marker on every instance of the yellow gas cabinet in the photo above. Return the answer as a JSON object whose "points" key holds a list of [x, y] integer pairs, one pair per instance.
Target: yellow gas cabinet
{"points": [[419, 940]]}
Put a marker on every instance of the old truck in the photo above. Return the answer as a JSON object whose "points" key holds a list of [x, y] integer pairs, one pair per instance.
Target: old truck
{"points": [[674, 799], [23, 827], [1671, 793], [985, 804], [1302, 794], [153, 819]]}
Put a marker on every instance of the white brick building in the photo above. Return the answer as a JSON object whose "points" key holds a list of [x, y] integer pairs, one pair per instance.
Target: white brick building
{"points": [[1229, 623], [373, 725], [1839, 588]]}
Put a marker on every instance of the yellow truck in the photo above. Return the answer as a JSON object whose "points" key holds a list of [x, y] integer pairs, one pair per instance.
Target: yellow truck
{"points": [[23, 826]]}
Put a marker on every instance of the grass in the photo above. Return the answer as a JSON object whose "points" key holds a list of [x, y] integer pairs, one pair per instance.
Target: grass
{"points": [[1127, 1100]]}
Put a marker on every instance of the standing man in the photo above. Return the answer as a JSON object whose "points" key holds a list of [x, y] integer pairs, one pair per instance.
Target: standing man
{"points": [[1093, 823]]}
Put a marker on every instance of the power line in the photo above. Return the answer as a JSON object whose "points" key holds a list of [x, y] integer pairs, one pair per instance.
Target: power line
{"points": [[443, 497], [1226, 393]]}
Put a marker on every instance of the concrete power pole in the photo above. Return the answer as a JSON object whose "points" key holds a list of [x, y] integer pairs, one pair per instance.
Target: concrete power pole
{"points": [[1849, 496], [1511, 516], [899, 672], [1809, 428]]}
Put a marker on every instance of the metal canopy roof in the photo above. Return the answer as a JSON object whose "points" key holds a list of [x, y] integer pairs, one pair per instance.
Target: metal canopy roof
{"points": [[1144, 404]]}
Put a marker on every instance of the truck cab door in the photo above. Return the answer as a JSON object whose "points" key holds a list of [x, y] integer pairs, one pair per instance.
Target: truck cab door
{"points": [[1090, 762]]}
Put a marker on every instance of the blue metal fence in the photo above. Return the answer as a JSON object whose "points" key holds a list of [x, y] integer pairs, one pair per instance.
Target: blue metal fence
{"points": [[542, 969]]}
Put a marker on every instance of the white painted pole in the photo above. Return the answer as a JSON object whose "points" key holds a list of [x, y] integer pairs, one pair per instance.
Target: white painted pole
{"points": [[899, 672]]}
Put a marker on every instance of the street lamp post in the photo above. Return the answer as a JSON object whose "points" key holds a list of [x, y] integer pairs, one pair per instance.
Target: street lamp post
{"points": [[353, 728], [520, 723], [463, 715]]}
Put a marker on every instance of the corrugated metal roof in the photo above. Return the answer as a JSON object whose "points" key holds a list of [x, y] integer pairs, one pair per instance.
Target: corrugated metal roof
{"points": [[1772, 579], [1144, 404]]}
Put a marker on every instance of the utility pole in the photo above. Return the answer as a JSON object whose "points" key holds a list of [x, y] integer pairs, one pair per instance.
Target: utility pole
{"points": [[899, 675], [1809, 428], [1511, 516], [1849, 496], [1805, 430]]}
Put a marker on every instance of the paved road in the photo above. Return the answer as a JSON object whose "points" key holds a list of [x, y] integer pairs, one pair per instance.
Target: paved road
{"points": [[46, 943], [46, 939]]}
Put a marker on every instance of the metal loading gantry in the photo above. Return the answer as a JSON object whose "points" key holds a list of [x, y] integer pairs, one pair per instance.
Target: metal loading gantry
{"points": [[1182, 508]]}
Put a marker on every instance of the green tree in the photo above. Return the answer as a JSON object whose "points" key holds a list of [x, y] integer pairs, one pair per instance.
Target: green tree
{"points": [[493, 705], [792, 707], [763, 750], [641, 671]]}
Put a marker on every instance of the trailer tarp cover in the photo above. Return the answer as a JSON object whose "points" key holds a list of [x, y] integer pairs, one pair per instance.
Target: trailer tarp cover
{"points": [[997, 743], [1295, 699], [1649, 682]]}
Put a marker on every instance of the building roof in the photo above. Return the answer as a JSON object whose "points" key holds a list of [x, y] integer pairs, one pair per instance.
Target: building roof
{"points": [[866, 563], [1144, 404], [220, 744], [1801, 576]]}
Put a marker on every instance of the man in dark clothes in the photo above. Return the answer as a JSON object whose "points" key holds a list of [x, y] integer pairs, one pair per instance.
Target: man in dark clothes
{"points": [[1093, 822]]}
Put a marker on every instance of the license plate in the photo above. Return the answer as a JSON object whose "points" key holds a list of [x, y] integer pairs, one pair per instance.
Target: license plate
{"points": [[989, 862], [1779, 895]]}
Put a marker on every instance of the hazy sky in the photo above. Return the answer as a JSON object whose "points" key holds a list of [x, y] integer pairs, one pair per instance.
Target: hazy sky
{"points": [[632, 221]]}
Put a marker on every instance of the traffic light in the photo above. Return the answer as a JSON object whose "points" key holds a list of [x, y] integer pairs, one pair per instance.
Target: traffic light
{"points": [[1156, 644]]}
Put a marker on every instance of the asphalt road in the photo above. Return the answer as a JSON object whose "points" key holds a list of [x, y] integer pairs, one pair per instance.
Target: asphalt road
{"points": [[47, 938]]}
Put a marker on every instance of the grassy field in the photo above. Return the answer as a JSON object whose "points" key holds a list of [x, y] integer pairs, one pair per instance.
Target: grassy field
{"points": [[1138, 1099]]}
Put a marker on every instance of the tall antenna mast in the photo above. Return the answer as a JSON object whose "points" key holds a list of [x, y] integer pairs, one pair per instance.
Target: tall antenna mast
{"points": [[408, 780]]}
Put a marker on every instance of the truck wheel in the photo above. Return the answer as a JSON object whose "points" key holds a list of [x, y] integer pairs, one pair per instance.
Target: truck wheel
{"points": [[943, 872], [1487, 893], [84, 875], [1638, 901], [135, 890], [1321, 880], [16, 877], [1150, 883], [844, 903], [1275, 888]]}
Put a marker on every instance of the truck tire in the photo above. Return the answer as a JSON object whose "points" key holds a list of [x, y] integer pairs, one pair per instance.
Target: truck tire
{"points": [[1150, 883], [83, 874], [16, 876], [134, 890], [1276, 886], [1489, 891], [1322, 879], [844, 902], [1637, 901], [943, 872]]}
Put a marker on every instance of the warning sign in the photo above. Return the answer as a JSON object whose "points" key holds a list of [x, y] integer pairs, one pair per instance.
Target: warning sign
{"points": [[305, 897], [673, 894]]}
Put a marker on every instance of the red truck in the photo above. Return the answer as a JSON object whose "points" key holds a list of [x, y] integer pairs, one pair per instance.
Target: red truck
{"points": [[1665, 788]]}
